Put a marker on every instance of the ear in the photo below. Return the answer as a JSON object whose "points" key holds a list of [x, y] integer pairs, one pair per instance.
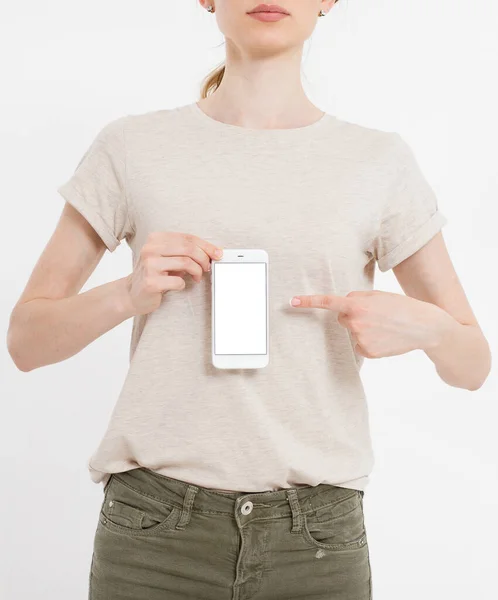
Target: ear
{"points": [[327, 5]]}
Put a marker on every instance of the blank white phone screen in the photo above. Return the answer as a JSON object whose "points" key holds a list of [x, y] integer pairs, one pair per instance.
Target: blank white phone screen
{"points": [[239, 307]]}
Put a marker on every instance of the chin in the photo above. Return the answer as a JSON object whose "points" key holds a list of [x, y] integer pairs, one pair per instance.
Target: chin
{"points": [[268, 41]]}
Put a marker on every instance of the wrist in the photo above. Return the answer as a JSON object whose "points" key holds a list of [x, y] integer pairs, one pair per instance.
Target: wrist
{"points": [[442, 330], [122, 299]]}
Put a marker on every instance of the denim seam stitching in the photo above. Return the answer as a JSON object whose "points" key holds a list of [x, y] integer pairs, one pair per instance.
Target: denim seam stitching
{"points": [[334, 503], [115, 528], [360, 542], [337, 516], [146, 495], [167, 503]]}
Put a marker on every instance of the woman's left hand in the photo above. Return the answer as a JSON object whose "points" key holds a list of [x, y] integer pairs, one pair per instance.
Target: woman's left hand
{"points": [[385, 324]]}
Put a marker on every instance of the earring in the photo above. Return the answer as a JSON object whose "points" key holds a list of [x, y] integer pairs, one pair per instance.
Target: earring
{"points": [[321, 13], [210, 8]]}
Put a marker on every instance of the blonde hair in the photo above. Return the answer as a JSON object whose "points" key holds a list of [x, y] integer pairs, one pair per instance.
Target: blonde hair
{"points": [[212, 80]]}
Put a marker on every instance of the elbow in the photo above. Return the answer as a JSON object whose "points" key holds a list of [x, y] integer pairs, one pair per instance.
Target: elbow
{"points": [[474, 386], [15, 349], [19, 360], [477, 385], [19, 363]]}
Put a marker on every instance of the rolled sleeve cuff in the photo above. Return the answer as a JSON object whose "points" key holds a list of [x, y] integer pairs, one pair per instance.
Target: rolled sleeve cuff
{"points": [[412, 243], [73, 197]]}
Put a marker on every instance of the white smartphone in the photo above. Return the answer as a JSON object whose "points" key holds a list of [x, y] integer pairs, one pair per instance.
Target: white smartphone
{"points": [[239, 308]]}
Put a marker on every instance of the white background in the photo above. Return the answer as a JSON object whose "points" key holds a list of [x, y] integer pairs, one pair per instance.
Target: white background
{"points": [[425, 68]]}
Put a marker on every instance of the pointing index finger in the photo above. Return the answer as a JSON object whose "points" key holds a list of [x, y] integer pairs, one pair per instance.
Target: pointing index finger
{"points": [[328, 301]]}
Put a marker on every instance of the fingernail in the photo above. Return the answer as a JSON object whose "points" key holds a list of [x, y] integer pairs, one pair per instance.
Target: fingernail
{"points": [[218, 252], [295, 301]]}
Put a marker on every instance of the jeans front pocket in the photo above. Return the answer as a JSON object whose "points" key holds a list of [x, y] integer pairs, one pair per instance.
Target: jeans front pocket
{"points": [[337, 526], [130, 511]]}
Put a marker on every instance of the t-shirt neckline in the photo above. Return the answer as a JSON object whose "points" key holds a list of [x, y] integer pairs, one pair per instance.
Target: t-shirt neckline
{"points": [[294, 132]]}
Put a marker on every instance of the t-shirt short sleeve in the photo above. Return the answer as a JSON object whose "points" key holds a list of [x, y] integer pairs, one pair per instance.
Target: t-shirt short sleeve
{"points": [[97, 188], [411, 216]]}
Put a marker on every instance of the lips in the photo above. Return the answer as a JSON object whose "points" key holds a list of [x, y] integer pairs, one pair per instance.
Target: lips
{"points": [[268, 8]]}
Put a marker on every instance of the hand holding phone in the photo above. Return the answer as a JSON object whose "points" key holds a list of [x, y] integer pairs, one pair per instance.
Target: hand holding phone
{"points": [[163, 259]]}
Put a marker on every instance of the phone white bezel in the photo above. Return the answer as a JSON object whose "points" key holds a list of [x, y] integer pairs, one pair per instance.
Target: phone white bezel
{"points": [[241, 361]]}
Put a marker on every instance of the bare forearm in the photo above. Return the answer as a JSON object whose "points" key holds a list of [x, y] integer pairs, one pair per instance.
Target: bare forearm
{"points": [[461, 356], [45, 331]]}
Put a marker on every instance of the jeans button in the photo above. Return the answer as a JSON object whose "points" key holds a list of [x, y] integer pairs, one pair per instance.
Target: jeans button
{"points": [[246, 507]]}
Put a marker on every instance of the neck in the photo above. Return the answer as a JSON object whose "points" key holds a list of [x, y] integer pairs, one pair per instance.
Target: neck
{"points": [[262, 92]]}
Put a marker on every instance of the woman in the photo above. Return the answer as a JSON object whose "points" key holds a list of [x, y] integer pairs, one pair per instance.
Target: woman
{"points": [[246, 483]]}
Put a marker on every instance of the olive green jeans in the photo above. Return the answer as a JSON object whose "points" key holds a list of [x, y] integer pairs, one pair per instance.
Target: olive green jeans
{"points": [[159, 538]]}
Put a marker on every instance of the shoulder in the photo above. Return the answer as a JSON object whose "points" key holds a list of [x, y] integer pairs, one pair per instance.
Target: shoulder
{"points": [[149, 129], [366, 143], [152, 121]]}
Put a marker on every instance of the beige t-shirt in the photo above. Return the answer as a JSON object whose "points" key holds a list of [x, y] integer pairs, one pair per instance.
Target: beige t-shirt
{"points": [[326, 201]]}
